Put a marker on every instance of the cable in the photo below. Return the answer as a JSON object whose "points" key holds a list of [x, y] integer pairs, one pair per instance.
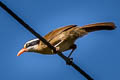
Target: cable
{"points": [[25, 25]]}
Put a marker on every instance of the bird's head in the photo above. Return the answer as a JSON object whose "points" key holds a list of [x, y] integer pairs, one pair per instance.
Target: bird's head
{"points": [[30, 46]]}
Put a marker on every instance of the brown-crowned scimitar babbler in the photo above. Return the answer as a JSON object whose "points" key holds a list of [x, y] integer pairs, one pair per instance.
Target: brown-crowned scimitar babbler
{"points": [[64, 38]]}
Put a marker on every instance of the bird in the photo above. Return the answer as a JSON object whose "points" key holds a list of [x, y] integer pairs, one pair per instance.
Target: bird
{"points": [[64, 38]]}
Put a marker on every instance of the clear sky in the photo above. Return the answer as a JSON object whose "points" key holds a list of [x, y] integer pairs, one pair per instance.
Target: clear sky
{"points": [[98, 53]]}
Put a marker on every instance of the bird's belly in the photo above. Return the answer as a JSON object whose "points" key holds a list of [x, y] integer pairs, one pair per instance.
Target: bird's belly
{"points": [[65, 45]]}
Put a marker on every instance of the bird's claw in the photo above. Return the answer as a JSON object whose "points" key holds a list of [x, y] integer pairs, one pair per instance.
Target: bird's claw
{"points": [[70, 60]]}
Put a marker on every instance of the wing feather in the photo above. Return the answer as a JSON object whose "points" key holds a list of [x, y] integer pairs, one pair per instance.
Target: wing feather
{"points": [[58, 31]]}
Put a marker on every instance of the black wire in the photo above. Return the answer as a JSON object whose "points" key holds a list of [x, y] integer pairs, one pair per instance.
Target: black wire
{"points": [[68, 61]]}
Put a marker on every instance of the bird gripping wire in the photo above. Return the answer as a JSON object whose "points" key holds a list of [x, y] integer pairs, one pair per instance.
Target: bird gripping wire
{"points": [[68, 61]]}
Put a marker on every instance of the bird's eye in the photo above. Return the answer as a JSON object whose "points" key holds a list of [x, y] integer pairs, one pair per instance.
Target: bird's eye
{"points": [[27, 45]]}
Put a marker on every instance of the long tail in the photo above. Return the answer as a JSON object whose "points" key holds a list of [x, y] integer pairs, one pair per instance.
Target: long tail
{"points": [[99, 26]]}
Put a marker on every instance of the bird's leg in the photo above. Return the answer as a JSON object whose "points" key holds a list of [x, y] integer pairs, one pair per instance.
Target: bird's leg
{"points": [[73, 47]]}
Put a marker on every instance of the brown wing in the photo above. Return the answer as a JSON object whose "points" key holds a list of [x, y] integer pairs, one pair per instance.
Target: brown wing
{"points": [[58, 31]]}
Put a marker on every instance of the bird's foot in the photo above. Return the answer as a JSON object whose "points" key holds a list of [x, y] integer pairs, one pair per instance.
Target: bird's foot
{"points": [[70, 60]]}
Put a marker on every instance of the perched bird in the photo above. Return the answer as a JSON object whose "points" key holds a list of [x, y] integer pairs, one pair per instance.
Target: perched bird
{"points": [[64, 38]]}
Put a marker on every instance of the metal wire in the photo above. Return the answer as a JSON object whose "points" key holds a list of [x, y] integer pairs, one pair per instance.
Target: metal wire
{"points": [[25, 25]]}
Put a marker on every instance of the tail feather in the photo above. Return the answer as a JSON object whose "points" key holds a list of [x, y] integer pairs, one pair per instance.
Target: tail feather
{"points": [[99, 26]]}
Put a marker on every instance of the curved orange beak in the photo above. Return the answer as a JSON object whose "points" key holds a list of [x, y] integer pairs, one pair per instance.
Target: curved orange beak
{"points": [[21, 51]]}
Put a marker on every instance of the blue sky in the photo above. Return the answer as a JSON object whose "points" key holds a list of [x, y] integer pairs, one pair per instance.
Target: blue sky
{"points": [[98, 53]]}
